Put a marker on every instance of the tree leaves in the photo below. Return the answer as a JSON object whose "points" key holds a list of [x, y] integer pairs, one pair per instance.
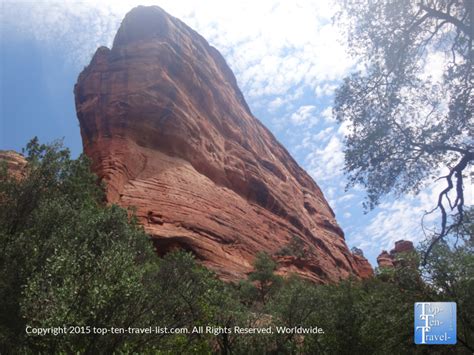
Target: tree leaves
{"points": [[406, 125]]}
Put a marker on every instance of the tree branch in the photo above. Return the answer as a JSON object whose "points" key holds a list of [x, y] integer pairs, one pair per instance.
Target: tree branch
{"points": [[459, 202], [447, 17]]}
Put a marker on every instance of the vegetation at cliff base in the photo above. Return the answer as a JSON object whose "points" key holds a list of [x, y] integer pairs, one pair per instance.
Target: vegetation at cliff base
{"points": [[69, 260]]}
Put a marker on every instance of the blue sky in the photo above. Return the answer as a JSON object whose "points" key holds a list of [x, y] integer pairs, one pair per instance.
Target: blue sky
{"points": [[288, 57]]}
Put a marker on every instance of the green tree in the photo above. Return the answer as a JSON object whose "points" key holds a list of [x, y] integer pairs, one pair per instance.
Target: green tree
{"points": [[405, 125], [295, 247], [449, 271], [341, 317], [296, 304], [188, 296], [264, 276], [67, 259]]}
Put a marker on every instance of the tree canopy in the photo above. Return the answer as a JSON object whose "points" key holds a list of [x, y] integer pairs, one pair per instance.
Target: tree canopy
{"points": [[409, 107], [68, 259]]}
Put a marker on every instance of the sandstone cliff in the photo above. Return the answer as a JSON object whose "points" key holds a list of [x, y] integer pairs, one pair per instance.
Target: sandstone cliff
{"points": [[170, 133]]}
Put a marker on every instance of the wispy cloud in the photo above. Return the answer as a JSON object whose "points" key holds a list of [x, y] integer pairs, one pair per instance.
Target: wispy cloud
{"points": [[326, 163], [304, 114], [272, 46]]}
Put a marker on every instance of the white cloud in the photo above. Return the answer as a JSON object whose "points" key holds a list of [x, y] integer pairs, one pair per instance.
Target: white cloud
{"points": [[275, 104], [399, 219], [324, 135], [77, 27], [327, 115], [272, 46], [326, 89], [346, 197], [327, 163], [434, 66], [304, 114]]}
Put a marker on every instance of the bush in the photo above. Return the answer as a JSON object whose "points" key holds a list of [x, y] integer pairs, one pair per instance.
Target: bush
{"points": [[68, 259]]}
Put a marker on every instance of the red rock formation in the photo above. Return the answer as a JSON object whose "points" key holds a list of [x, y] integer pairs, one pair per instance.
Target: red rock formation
{"points": [[170, 133], [15, 163], [402, 246], [385, 259], [363, 267], [390, 260]]}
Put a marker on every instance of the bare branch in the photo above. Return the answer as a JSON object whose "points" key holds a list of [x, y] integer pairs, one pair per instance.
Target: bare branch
{"points": [[456, 171], [447, 17]]}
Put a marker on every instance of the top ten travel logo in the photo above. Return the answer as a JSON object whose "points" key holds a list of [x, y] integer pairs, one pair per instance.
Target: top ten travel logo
{"points": [[435, 323]]}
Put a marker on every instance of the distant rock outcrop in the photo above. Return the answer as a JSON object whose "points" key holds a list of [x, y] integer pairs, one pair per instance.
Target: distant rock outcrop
{"points": [[385, 259], [170, 133], [15, 163], [389, 260]]}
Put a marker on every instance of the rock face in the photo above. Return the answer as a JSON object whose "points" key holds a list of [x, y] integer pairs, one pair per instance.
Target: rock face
{"points": [[363, 267], [402, 246], [385, 259], [170, 133], [389, 260], [15, 163]]}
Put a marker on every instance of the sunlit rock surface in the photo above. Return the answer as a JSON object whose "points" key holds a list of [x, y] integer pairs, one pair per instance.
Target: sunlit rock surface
{"points": [[15, 163], [170, 133]]}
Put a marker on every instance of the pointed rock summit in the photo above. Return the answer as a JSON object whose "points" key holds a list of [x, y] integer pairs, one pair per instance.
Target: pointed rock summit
{"points": [[169, 131]]}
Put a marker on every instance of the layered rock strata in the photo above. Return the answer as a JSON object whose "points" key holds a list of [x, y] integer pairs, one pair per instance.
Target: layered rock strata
{"points": [[170, 133]]}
